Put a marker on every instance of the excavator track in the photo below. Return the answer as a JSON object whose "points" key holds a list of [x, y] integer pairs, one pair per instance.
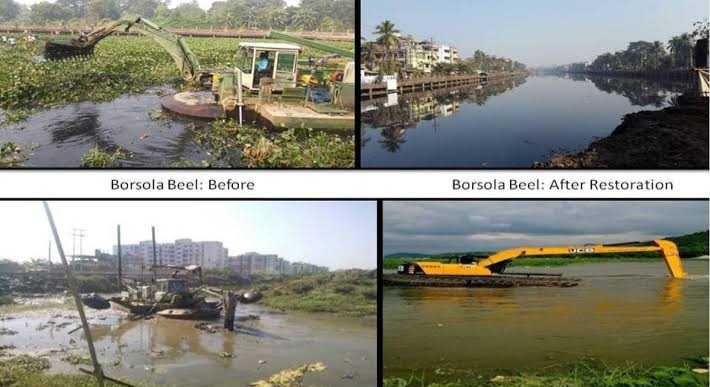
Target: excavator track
{"points": [[491, 281]]}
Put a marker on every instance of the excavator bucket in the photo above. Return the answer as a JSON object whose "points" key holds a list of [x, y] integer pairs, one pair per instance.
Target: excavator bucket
{"points": [[65, 49]]}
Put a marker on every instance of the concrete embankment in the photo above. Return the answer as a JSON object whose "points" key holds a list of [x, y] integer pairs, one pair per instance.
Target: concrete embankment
{"points": [[675, 137]]}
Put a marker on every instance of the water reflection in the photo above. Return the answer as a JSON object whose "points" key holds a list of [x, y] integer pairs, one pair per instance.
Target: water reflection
{"points": [[506, 124], [395, 118], [639, 92]]}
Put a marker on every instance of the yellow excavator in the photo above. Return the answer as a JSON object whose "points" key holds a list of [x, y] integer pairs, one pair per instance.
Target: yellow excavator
{"points": [[476, 266]]}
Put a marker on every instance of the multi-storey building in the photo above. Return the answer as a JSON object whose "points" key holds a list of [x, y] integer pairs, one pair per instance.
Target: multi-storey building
{"points": [[208, 254]]}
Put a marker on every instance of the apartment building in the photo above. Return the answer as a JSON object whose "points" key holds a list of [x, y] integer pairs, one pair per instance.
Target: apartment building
{"points": [[255, 263], [208, 254]]}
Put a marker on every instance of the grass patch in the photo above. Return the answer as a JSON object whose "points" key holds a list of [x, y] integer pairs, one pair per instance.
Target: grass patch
{"points": [[6, 299], [346, 292], [580, 375], [98, 158], [23, 378]]}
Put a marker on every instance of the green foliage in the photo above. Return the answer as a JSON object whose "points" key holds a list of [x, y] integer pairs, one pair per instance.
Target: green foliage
{"points": [[347, 292], [97, 158], [25, 363], [692, 245], [316, 15], [6, 299]]}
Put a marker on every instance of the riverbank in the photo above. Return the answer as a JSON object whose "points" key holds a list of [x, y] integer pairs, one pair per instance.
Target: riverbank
{"points": [[675, 137], [349, 293], [581, 374]]}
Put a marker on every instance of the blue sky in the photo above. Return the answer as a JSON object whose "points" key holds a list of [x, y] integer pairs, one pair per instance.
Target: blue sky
{"points": [[439, 227], [540, 32], [333, 234]]}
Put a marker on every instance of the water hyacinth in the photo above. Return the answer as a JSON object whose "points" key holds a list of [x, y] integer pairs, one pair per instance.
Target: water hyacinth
{"points": [[120, 65]]}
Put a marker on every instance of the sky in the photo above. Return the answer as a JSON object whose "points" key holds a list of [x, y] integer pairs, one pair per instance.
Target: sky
{"points": [[204, 4], [336, 234], [537, 33], [440, 227]]}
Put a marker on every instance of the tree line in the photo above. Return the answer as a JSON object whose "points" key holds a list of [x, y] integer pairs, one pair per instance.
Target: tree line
{"points": [[381, 54], [309, 15], [677, 53]]}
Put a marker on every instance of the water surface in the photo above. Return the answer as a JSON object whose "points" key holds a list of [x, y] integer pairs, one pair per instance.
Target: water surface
{"points": [[506, 124], [620, 312], [173, 352]]}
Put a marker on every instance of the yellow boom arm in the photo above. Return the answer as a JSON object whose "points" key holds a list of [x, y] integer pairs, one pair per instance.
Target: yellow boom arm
{"points": [[496, 263]]}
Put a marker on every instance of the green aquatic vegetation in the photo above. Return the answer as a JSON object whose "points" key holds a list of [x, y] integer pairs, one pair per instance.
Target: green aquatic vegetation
{"points": [[97, 158], [6, 299], [120, 65], [22, 378], [25, 363], [76, 359], [253, 147], [11, 155]]}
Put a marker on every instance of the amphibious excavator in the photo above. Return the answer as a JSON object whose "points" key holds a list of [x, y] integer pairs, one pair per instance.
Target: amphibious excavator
{"points": [[470, 266], [266, 78]]}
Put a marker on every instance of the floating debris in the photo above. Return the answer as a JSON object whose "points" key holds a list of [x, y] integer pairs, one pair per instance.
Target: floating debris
{"points": [[76, 359], [7, 332], [291, 377], [225, 355]]}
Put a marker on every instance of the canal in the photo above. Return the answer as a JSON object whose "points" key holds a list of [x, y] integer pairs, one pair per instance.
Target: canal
{"points": [[173, 352], [621, 312], [504, 124]]}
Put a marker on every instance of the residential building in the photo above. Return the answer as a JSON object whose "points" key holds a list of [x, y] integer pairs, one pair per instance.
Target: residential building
{"points": [[182, 252]]}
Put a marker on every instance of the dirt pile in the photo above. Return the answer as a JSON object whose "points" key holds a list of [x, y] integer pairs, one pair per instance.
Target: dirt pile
{"points": [[675, 137]]}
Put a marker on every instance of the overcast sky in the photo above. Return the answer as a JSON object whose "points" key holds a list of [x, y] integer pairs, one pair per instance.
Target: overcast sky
{"points": [[333, 234], [439, 227], [542, 32], [204, 4]]}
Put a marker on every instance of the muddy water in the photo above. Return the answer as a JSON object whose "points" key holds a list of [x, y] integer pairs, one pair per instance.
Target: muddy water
{"points": [[620, 312], [174, 352], [58, 137]]}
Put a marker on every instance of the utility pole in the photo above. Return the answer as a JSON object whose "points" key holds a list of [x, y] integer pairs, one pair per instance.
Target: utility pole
{"points": [[77, 232], [120, 268]]}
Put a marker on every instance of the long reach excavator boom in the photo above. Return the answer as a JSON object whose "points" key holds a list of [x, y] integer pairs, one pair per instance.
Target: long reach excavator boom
{"points": [[174, 44], [496, 263]]}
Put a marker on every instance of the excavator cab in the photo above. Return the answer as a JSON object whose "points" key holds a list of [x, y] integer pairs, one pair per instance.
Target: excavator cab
{"points": [[275, 62]]}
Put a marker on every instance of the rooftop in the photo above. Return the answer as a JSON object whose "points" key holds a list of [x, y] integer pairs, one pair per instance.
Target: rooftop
{"points": [[271, 46]]}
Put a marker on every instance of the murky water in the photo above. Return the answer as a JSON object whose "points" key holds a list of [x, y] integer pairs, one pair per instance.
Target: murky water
{"points": [[176, 353], [58, 137], [503, 124], [620, 312]]}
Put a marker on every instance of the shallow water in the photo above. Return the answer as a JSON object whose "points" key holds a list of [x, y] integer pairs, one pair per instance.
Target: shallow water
{"points": [[620, 312], [174, 352], [503, 124], [58, 137]]}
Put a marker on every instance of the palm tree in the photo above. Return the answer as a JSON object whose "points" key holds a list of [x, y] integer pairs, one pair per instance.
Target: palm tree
{"points": [[658, 51], [306, 18], [678, 46], [387, 37]]}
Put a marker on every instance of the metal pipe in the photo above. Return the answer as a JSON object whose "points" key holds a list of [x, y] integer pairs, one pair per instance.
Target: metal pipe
{"points": [[98, 372]]}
